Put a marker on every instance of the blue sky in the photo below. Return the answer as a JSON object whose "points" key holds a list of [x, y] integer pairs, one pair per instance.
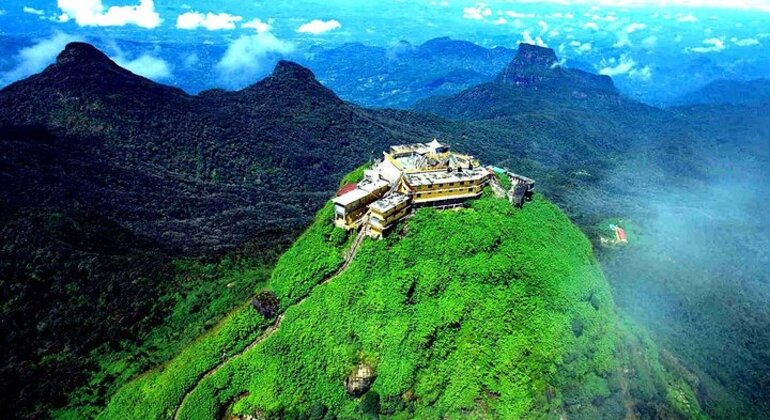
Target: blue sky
{"points": [[627, 39]]}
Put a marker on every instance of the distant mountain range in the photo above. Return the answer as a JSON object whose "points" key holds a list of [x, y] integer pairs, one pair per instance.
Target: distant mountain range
{"points": [[404, 73], [729, 92]]}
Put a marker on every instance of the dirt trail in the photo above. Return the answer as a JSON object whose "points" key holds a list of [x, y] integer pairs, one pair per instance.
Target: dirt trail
{"points": [[349, 256]]}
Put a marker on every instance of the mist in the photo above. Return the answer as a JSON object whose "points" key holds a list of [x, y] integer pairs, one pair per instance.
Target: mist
{"points": [[698, 274]]}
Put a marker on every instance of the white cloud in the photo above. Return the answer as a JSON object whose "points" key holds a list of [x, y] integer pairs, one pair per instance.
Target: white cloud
{"points": [[761, 5], [527, 39], [517, 15], [624, 39], [591, 25], [650, 42], [95, 13], [711, 45], [624, 65], [478, 12], [258, 25], [318, 26], [191, 60], [246, 58], [210, 21], [33, 11], [644, 73], [33, 59], [635, 27], [501, 21], [543, 26], [146, 65], [559, 15], [686, 18], [580, 47], [747, 42]]}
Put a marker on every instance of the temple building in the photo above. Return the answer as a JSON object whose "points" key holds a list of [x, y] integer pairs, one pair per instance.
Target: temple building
{"points": [[409, 176]]}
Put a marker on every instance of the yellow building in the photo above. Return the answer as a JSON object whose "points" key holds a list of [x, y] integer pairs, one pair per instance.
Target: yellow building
{"points": [[445, 188], [386, 212], [350, 207], [409, 176]]}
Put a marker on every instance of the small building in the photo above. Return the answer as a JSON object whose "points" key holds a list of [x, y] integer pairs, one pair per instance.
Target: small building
{"points": [[386, 212], [346, 189], [352, 205], [620, 235]]}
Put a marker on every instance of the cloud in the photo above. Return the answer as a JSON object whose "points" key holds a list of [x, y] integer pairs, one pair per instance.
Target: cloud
{"points": [[146, 65], [246, 58], [258, 25], [517, 15], [686, 18], [650, 42], [210, 21], [527, 39], [635, 27], [712, 45], [591, 25], [747, 42], [94, 13], [501, 21], [624, 65], [317, 26], [559, 15], [761, 5], [33, 59], [580, 47], [33, 11], [624, 39], [478, 12]]}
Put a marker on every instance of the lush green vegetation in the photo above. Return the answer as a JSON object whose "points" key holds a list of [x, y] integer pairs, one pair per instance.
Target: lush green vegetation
{"points": [[512, 317], [157, 393], [199, 296]]}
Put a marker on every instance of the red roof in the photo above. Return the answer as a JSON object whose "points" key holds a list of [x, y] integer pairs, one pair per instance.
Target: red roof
{"points": [[621, 234], [346, 189]]}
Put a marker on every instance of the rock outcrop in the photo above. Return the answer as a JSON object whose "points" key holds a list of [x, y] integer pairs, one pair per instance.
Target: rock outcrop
{"points": [[360, 380]]}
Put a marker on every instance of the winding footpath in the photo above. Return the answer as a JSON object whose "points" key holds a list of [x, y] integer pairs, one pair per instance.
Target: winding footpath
{"points": [[270, 330]]}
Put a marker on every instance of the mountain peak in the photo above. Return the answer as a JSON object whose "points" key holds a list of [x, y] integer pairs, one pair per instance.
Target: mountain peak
{"points": [[535, 55], [77, 52], [291, 80], [289, 70], [532, 64]]}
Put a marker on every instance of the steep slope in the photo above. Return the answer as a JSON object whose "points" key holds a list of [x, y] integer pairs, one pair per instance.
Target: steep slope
{"points": [[694, 180], [486, 311]]}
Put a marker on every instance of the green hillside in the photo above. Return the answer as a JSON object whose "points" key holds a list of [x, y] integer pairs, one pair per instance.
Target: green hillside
{"points": [[487, 310]]}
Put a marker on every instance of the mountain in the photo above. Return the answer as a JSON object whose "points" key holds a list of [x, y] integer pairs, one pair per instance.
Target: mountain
{"points": [[538, 67], [694, 179], [729, 92], [404, 73], [562, 117], [134, 215], [508, 315]]}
